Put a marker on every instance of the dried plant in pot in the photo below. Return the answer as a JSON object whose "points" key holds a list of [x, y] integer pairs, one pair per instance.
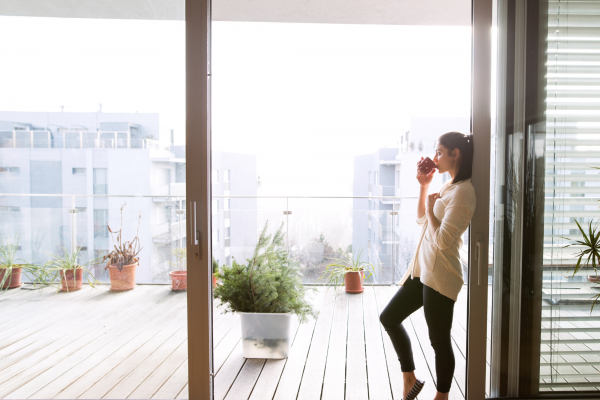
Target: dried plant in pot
{"points": [[179, 274], [351, 269], [266, 291], [12, 268], [69, 272], [123, 260]]}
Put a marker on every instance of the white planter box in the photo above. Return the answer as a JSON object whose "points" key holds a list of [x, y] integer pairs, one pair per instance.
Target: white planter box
{"points": [[266, 335]]}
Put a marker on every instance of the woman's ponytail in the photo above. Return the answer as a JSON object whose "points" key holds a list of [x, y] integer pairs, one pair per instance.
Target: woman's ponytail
{"points": [[464, 143]]}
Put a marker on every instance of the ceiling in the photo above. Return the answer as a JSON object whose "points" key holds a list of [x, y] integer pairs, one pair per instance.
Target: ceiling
{"points": [[379, 12]]}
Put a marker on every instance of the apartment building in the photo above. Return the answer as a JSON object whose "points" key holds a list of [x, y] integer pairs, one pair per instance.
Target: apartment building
{"points": [[89, 165]]}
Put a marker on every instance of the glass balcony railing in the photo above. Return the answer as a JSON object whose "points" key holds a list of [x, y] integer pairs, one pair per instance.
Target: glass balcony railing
{"points": [[41, 139], [318, 230]]}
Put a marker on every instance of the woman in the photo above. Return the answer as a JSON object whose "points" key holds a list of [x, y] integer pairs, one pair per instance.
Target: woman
{"points": [[434, 277]]}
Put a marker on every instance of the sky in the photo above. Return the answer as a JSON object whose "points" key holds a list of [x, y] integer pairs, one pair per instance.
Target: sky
{"points": [[304, 98]]}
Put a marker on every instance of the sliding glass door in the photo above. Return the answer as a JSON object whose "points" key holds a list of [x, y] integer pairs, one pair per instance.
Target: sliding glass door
{"points": [[547, 142]]}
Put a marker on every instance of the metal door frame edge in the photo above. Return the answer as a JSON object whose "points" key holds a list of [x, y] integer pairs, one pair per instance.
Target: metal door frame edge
{"points": [[481, 81]]}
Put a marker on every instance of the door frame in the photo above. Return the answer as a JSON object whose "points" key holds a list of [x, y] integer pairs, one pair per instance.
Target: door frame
{"points": [[198, 198], [198, 191], [481, 80]]}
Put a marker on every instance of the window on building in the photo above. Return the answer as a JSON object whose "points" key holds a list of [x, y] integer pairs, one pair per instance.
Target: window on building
{"points": [[11, 170], [215, 176], [78, 171], [227, 232], [226, 175], [100, 181], [100, 223], [227, 204]]}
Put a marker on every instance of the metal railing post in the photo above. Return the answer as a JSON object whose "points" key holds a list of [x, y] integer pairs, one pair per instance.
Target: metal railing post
{"points": [[73, 212]]}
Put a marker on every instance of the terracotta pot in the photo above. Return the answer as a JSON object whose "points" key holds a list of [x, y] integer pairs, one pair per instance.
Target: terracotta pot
{"points": [[67, 283], [594, 279], [121, 281], [178, 280], [214, 280], [13, 281], [354, 282]]}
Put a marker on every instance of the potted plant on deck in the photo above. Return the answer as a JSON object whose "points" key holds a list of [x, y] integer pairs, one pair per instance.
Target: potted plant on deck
{"points": [[123, 259], [70, 271], [11, 268], [265, 290], [179, 276], [351, 269]]}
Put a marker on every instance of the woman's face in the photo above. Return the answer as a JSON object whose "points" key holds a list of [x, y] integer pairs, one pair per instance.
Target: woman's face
{"points": [[443, 159]]}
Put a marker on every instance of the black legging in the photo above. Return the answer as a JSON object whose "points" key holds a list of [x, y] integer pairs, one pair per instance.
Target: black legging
{"points": [[438, 314]]}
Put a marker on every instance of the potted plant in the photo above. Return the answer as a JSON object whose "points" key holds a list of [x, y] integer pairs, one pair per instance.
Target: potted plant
{"points": [[70, 271], [123, 259], [266, 291], [590, 249], [215, 270], [179, 276], [11, 268], [351, 269]]}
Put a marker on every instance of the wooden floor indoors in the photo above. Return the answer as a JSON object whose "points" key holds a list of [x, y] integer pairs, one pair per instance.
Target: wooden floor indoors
{"points": [[94, 344]]}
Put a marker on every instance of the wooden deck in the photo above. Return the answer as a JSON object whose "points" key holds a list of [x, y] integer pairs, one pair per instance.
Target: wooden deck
{"points": [[96, 344]]}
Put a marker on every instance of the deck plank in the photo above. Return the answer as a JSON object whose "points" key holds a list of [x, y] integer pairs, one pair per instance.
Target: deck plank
{"points": [[115, 345], [228, 373], [335, 371], [38, 367], [291, 377], [271, 373], [127, 375], [312, 379], [161, 374], [356, 368], [246, 379], [175, 385], [377, 372], [184, 394]]}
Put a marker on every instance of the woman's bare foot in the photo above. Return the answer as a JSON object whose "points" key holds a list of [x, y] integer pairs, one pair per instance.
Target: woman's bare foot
{"points": [[409, 381]]}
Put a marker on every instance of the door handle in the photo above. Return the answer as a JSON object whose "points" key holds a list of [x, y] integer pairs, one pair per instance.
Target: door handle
{"points": [[194, 232], [479, 240]]}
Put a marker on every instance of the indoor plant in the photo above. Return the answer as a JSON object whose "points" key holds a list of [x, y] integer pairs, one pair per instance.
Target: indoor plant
{"points": [[590, 249], [266, 290], [351, 269], [70, 271], [123, 259], [11, 268], [179, 275]]}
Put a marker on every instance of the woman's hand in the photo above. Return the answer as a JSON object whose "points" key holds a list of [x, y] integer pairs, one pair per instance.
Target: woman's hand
{"points": [[425, 180], [433, 222], [431, 202]]}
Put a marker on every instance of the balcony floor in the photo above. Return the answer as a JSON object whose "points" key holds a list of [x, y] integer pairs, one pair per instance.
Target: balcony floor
{"points": [[75, 345]]}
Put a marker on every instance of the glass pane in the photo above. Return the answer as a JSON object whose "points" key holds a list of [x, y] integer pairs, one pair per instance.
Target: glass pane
{"points": [[92, 158], [298, 140]]}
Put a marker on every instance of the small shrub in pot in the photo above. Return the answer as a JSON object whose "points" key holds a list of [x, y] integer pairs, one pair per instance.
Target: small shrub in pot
{"points": [[266, 290]]}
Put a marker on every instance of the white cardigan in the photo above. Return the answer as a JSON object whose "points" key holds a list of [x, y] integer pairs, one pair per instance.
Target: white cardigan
{"points": [[437, 259]]}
